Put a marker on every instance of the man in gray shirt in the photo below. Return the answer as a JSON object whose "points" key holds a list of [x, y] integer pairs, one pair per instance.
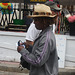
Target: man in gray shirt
{"points": [[43, 59]]}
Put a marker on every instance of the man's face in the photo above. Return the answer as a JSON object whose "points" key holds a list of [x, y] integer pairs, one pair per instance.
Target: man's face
{"points": [[38, 23]]}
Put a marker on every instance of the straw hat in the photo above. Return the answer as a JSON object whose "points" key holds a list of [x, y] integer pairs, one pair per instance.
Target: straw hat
{"points": [[42, 10]]}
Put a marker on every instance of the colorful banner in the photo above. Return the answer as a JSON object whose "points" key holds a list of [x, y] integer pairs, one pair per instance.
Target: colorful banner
{"points": [[6, 8]]}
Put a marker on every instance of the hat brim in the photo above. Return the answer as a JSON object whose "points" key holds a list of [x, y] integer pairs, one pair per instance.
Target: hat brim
{"points": [[42, 16], [55, 7]]}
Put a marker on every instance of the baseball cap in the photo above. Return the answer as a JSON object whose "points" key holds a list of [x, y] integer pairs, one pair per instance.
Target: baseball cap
{"points": [[53, 5]]}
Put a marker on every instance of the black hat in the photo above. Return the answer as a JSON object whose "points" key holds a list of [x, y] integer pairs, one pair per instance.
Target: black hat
{"points": [[53, 5]]}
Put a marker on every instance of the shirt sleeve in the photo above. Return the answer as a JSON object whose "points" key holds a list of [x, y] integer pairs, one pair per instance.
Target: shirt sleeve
{"points": [[41, 54]]}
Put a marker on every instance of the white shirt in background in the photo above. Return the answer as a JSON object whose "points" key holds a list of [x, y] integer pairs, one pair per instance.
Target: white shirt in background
{"points": [[33, 33]]}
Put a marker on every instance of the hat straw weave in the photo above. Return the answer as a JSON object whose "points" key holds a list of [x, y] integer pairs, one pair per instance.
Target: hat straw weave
{"points": [[42, 10]]}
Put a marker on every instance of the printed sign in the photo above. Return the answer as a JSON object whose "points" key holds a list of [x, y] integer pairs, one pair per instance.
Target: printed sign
{"points": [[61, 48], [36, 1]]}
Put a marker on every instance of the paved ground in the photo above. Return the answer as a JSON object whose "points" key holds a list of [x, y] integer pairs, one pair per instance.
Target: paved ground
{"points": [[12, 73], [12, 68]]}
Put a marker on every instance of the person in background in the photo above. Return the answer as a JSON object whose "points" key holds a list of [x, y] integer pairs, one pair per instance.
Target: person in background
{"points": [[27, 20], [32, 32], [43, 59]]}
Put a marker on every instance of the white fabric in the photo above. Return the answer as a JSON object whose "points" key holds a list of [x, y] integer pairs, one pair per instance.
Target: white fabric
{"points": [[54, 27], [33, 33]]}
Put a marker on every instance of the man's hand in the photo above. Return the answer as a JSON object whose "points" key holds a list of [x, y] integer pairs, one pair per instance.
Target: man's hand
{"points": [[28, 43], [19, 48]]}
